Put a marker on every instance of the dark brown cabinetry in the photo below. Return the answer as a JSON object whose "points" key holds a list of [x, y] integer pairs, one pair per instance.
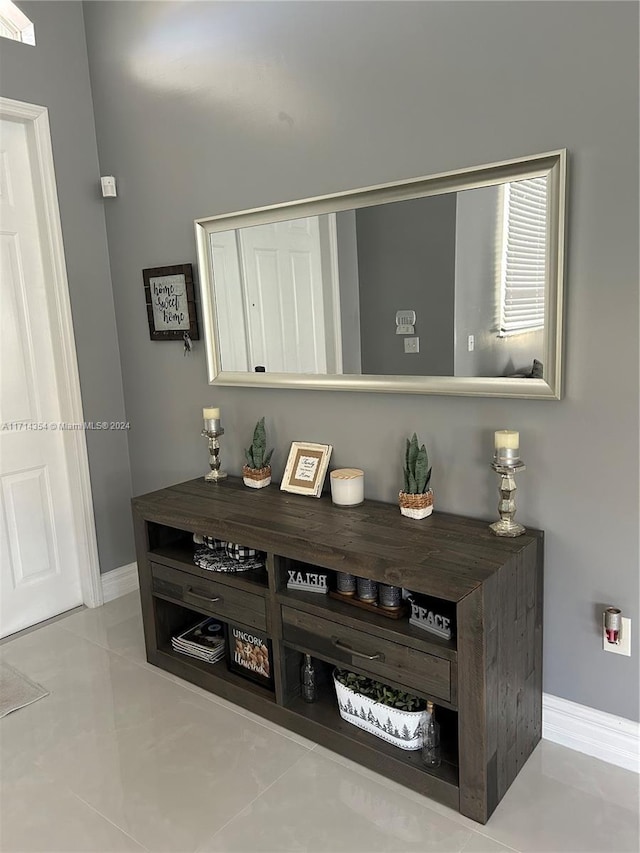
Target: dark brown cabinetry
{"points": [[485, 681]]}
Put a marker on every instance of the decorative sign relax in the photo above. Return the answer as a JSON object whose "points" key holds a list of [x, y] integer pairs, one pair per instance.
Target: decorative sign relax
{"points": [[171, 306], [307, 581], [427, 619]]}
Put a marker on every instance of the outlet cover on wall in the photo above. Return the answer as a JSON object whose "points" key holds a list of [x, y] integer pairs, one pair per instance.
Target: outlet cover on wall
{"points": [[623, 647], [412, 344]]}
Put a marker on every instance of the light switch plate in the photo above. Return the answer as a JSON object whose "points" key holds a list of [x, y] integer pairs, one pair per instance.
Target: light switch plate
{"points": [[406, 317]]}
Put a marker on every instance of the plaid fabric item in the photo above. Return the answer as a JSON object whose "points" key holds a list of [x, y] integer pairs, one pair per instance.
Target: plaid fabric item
{"points": [[218, 545], [213, 561], [241, 552]]}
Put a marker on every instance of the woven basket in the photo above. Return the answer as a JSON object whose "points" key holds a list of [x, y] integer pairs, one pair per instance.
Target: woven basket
{"points": [[416, 506], [256, 478]]}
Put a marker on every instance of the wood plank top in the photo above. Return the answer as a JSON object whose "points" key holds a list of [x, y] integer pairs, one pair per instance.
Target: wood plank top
{"points": [[443, 555]]}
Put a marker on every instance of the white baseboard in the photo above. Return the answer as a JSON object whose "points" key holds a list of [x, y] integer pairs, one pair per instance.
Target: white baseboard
{"points": [[119, 581], [596, 733]]}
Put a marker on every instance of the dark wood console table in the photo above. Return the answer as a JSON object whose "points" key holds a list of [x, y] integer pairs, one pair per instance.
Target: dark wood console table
{"points": [[486, 681]]}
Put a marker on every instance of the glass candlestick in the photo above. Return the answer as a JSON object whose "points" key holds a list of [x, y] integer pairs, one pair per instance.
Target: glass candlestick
{"points": [[213, 430], [506, 463], [431, 755]]}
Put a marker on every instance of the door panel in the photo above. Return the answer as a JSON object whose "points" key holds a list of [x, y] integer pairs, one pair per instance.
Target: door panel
{"points": [[29, 514], [40, 571], [230, 308], [283, 278], [18, 398]]}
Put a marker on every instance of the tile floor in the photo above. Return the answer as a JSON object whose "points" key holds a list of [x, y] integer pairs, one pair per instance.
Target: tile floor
{"points": [[122, 757]]}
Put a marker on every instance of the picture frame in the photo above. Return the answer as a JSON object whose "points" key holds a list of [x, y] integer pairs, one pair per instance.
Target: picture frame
{"points": [[250, 654], [306, 468], [171, 303]]}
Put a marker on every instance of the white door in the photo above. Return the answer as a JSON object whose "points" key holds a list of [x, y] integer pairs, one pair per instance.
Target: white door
{"points": [[41, 539], [229, 297], [276, 297], [285, 311]]}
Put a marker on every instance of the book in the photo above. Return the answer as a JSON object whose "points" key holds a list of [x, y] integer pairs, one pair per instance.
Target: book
{"points": [[204, 641]]}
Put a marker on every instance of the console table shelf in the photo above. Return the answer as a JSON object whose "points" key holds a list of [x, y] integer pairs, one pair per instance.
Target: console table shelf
{"points": [[485, 681]]}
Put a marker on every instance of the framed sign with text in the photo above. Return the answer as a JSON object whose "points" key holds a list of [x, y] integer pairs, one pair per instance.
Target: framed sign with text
{"points": [[171, 305], [306, 468]]}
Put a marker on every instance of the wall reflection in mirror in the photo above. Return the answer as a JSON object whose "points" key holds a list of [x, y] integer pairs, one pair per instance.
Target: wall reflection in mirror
{"points": [[322, 294], [443, 284]]}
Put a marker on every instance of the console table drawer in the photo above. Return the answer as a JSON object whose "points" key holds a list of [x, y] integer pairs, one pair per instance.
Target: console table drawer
{"points": [[218, 599], [402, 664]]}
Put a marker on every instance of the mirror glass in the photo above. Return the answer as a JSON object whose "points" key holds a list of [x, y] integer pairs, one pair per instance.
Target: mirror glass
{"points": [[449, 284]]}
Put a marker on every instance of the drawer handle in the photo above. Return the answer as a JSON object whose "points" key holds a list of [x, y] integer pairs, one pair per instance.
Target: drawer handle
{"points": [[203, 597], [339, 644]]}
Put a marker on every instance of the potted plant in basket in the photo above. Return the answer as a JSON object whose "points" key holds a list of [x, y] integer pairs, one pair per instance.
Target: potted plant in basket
{"points": [[393, 715], [257, 472], [416, 501]]}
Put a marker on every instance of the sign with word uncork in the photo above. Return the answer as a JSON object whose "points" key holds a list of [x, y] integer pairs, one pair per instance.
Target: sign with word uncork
{"points": [[171, 309]]}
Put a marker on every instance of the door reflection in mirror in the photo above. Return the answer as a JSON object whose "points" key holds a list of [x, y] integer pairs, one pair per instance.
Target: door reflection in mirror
{"points": [[319, 294]]}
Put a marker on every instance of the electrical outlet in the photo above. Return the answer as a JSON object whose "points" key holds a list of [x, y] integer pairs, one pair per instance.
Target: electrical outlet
{"points": [[623, 646], [412, 344]]}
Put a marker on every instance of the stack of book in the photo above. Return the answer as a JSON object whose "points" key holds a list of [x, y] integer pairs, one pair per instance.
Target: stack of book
{"points": [[204, 641]]}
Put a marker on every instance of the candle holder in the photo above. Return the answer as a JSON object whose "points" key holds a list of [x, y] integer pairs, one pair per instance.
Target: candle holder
{"points": [[506, 463], [213, 430]]}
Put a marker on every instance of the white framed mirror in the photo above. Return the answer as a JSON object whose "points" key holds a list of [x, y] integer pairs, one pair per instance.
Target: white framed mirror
{"points": [[445, 284]]}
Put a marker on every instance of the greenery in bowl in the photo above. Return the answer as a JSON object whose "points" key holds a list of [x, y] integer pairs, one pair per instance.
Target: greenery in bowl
{"points": [[378, 692]]}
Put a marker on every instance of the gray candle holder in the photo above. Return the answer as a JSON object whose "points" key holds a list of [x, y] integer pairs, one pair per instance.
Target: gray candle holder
{"points": [[507, 464], [212, 431]]}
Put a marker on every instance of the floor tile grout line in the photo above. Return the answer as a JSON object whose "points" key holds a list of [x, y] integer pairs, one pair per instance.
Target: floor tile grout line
{"points": [[255, 799], [489, 838], [104, 817], [496, 840]]}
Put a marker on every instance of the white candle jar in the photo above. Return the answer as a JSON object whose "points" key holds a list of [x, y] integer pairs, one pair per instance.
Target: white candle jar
{"points": [[347, 486]]}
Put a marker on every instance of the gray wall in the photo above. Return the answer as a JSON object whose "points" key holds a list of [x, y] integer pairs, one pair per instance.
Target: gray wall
{"points": [[477, 311], [55, 74], [205, 108], [406, 260]]}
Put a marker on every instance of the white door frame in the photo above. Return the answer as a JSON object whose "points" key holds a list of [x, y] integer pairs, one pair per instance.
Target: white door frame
{"points": [[64, 342]]}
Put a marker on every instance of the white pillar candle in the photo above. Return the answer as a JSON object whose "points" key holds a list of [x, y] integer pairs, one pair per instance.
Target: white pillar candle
{"points": [[347, 486], [210, 414], [509, 439]]}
